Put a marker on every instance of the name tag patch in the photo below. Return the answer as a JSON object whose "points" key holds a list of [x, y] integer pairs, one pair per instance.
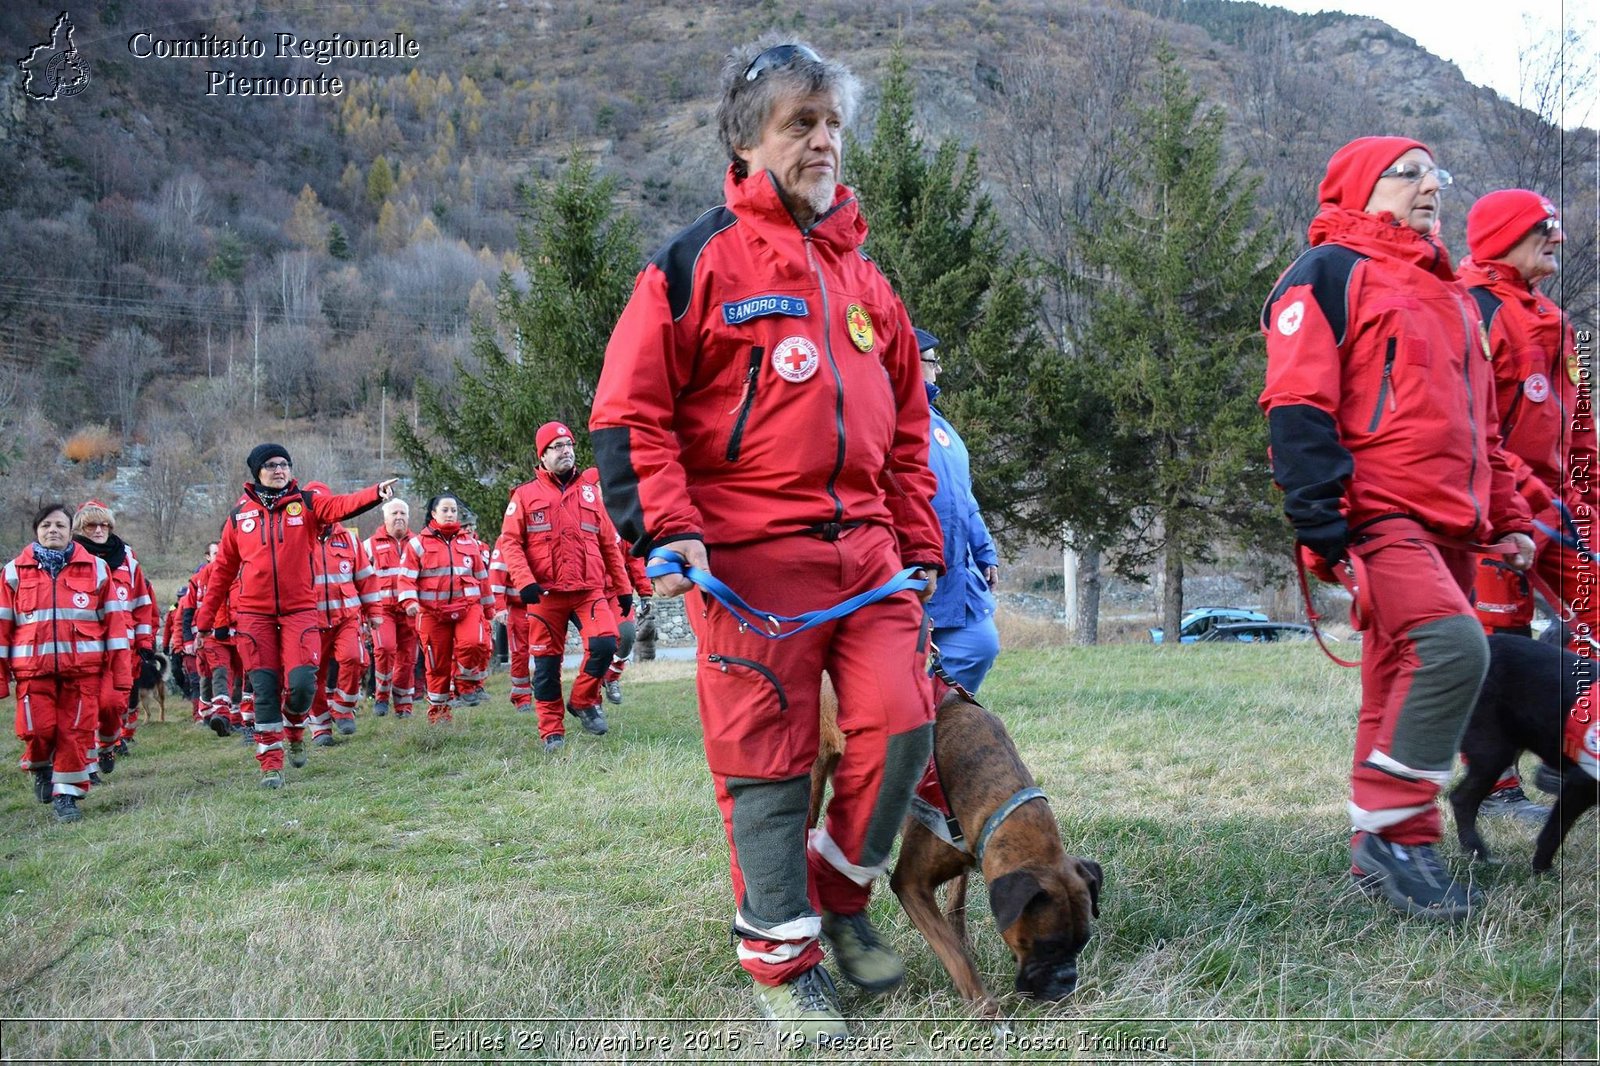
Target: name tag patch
{"points": [[760, 306]]}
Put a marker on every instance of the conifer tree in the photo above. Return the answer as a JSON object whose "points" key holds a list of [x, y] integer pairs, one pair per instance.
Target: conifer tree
{"points": [[582, 257]]}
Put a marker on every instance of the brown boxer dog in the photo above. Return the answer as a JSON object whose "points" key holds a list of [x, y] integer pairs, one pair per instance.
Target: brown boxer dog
{"points": [[1042, 898]]}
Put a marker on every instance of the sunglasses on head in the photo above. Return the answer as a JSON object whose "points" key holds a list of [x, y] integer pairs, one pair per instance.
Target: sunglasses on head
{"points": [[779, 55]]}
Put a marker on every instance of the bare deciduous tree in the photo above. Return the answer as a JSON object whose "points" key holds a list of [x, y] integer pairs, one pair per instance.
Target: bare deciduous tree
{"points": [[118, 368], [167, 485]]}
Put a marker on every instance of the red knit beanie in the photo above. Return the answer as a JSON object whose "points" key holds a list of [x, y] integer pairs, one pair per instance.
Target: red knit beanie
{"points": [[1353, 170], [1498, 221], [548, 434]]}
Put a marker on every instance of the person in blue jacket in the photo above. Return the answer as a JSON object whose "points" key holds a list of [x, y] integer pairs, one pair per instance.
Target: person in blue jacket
{"points": [[962, 607]]}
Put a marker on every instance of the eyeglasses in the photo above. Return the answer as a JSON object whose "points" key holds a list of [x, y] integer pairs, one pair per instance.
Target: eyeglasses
{"points": [[1548, 227], [1415, 172], [779, 55], [90, 527], [276, 464], [933, 361]]}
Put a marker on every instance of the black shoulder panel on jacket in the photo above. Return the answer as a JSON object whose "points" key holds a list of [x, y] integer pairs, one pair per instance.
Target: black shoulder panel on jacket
{"points": [[619, 484], [1309, 462], [1488, 305], [1326, 268], [677, 257]]}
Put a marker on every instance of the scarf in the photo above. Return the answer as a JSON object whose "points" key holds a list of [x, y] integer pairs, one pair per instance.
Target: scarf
{"points": [[114, 551], [51, 559]]}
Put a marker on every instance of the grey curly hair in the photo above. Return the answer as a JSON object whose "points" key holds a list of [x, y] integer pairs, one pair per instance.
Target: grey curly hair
{"points": [[747, 103]]}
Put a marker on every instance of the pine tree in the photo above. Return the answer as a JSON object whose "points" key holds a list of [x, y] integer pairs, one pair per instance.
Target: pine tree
{"points": [[1157, 403], [338, 243], [582, 259], [939, 240]]}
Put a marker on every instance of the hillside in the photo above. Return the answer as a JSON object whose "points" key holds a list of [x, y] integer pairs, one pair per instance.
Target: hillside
{"points": [[190, 271]]}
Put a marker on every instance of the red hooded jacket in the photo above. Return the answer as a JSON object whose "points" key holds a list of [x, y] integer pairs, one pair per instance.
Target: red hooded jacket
{"points": [[764, 381], [560, 537], [269, 549], [1379, 391]]}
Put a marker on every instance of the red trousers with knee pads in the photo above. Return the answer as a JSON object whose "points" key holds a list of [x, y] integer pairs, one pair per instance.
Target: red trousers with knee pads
{"points": [[277, 646], [758, 708], [595, 616]]}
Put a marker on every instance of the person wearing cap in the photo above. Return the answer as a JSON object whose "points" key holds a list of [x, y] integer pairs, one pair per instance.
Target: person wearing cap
{"points": [[961, 612], [347, 600], [59, 635], [394, 633], [133, 608], [760, 408], [267, 543], [562, 561], [1384, 437], [1513, 236], [446, 589]]}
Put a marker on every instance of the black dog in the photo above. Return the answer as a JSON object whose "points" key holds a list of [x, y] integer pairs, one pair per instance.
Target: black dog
{"points": [[1530, 691]]}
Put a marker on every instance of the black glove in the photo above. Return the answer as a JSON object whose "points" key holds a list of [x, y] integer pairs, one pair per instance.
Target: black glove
{"points": [[1328, 540], [222, 632], [530, 593], [626, 603]]}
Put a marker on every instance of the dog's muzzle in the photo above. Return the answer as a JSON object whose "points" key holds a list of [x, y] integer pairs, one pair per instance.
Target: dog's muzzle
{"points": [[1050, 981]]}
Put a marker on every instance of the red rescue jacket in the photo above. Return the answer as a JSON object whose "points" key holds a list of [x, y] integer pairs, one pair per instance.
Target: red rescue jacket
{"points": [[449, 574], [559, 537], [60, 626], [346, 585], [389, 558], [1379, 393], [269, 549], [764, 381]]}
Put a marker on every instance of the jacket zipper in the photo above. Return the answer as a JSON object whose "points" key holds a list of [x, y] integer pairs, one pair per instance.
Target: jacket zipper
{"points": [[1472, 416], [272, 551], [725, 661], [838, 383], [1384, 387], [751, 377]]}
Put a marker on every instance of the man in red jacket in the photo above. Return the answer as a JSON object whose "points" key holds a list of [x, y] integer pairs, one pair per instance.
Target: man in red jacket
{"points": [[561, 556], [267, 543], [1380, 410], [761, 406]]}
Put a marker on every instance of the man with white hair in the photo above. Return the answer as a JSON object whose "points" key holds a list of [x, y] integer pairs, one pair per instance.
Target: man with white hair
{"points": [[394, 636]]}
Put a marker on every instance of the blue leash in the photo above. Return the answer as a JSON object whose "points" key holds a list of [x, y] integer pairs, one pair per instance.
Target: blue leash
{"points": [[763, 623], [1570, 538]]}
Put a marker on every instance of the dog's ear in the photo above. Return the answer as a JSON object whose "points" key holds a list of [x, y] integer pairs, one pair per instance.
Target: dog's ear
{"points": [[1090, 871], [1010, 895]]}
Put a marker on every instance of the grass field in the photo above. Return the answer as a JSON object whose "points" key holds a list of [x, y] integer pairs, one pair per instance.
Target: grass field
{"points": [[452, 894]]}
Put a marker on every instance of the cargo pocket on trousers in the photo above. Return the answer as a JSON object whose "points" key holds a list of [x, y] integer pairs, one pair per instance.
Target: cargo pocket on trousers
{"points": [[744, 712]]}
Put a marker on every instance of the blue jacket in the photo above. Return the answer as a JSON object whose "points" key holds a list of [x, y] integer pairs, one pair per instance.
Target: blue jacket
{"points": [[962, 597]]}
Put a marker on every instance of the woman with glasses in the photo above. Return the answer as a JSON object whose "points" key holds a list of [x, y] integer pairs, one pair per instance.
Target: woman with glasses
{"points": [[1380, 410], [133, 602], [267, 544], [58, 636]]}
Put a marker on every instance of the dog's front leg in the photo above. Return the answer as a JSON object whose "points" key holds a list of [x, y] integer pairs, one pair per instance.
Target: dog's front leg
{"points": [[926, 863], [955, 906]]}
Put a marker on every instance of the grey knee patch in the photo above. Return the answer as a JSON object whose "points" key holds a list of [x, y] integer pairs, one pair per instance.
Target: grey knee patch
{"points": [[769, 826], [547, 677], [1453, 656], [264, 683], [601, 652], [626, 631], [302, 688], [903, 765]]}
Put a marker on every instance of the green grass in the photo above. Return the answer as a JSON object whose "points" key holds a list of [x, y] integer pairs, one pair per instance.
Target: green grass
{"points": [[454, 894]]}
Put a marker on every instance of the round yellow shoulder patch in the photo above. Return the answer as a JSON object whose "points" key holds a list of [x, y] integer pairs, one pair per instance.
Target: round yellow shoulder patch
{"points": [[859, 323]]}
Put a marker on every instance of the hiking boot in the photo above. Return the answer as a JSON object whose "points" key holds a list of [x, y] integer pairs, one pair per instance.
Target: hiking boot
{"points": [[108, 761], [66, 808], [613, 691], [1547, 779], [380, 708], [553, 744], [345, 726], [247, 735], [219, 725], [121, 748], [522, 708], [402, 714], [473, 698], [1411, 877], [43, 783], [1512, 802], [297, 753], [272, 779], [862, 958], [593, 719], [322, 740], [94, 778], [804, 1010]]}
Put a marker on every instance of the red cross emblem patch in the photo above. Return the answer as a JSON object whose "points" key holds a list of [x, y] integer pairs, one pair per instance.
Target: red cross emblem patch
{"points": [[795, 359]]}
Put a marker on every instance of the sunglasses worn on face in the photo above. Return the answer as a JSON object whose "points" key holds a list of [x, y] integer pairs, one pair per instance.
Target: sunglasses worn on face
{"points": [[779, 55], [1415, 172], [1548, 227], [91, 526]]}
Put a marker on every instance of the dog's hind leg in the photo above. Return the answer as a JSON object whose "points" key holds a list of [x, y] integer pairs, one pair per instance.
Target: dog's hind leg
{"points": [[1484, 763], [927, 862], [1578, 794]]}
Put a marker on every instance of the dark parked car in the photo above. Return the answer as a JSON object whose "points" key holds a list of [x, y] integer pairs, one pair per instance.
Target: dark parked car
{"points": [[1206, 624]]}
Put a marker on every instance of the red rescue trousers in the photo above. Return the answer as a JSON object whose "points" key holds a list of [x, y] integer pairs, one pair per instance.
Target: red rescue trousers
{"points": [[593, 612], [1423, 657], [55, 722], [456, 654], [394, 655], [517, 664], [758, 709], [273, 648], [343, 657]]}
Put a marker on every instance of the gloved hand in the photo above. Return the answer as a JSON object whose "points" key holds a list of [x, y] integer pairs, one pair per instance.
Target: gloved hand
{"points": [[412, 608], [644, 609], [1328, 541], [1317, 566], [530, 593], [625, 603]]}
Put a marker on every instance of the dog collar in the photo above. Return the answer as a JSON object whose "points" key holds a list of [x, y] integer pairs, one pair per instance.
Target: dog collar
{"points": [[1005, 811]]}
